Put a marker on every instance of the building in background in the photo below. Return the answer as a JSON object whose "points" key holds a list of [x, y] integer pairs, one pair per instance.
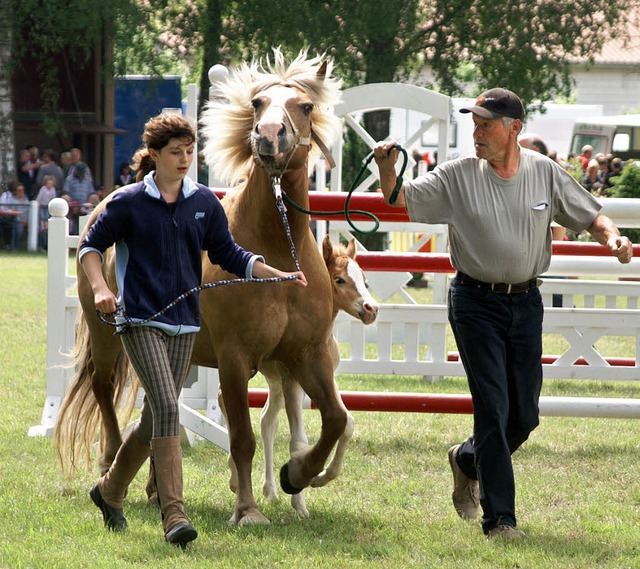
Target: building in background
{"points": [[86, 111]]}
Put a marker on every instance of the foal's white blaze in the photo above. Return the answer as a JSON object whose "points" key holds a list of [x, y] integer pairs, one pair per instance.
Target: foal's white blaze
{"points": [[369, 304]]}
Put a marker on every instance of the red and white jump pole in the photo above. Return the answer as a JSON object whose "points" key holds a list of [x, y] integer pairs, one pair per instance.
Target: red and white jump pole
{"points": [[604, 407]]}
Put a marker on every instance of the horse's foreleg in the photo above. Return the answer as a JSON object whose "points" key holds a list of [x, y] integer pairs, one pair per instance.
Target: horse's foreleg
{"points": [[332, 471], [298, 442], [242, 441], [316, 378]]}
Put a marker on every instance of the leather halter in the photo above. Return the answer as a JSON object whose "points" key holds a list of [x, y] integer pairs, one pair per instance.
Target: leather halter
{"points": [[299, 140]]}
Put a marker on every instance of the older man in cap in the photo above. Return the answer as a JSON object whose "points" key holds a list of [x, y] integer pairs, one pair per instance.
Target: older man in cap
{"points": [[499, 205]]}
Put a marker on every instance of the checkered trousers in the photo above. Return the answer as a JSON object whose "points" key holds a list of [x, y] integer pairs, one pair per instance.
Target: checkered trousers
{"points": [[161, 362]]}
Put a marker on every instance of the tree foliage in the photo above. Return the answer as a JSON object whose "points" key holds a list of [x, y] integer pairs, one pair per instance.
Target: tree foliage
{"points": [[47, 31], [468, 44], [526, 46], [627, 185]]}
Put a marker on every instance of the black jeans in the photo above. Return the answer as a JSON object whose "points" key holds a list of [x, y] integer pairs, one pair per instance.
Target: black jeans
{"points": [[499, 337]]}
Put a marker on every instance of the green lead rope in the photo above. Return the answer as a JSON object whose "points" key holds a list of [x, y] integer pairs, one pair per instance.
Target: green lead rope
{"points": [[348, 212]]}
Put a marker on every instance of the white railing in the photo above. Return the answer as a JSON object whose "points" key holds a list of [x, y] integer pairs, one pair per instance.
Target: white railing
{"points": [[406, 339]]}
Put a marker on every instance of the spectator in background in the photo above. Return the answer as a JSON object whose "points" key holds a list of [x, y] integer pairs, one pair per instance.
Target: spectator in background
{"points": [[126, 175], [591, 179], [45, 195], [603, 166], [27, 172], [585, 156], [100, 192], [65, 162], [434, 162], [534, 142], [16, 210], [50, 167], [76, 158], [559, 159], [47, 191], [78, 186], [92, 201], [7, 217], [614, 171]]}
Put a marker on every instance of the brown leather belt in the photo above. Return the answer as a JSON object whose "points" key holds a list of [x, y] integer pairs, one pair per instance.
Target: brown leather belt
{"points": [[500, 288]]}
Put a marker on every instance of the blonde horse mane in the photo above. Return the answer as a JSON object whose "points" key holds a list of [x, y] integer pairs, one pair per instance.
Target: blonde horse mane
{"points": [[226, 125]]}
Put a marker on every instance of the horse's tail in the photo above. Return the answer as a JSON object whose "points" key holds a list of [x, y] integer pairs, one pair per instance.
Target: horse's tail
{"points": [[79, 417]]}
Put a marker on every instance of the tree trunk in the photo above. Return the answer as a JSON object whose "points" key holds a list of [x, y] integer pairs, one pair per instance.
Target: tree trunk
{"points": [[211, 31], [7, 143]]}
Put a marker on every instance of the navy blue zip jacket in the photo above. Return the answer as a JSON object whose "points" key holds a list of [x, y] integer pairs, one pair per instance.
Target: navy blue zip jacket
{"points": [[159, 248]]}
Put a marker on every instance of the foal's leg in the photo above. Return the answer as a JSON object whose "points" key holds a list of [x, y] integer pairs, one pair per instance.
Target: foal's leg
{"points": [[268, 428]]}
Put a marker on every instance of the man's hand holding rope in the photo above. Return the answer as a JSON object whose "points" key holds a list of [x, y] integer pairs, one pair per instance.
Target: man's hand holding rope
{"points": [[386, 155]]}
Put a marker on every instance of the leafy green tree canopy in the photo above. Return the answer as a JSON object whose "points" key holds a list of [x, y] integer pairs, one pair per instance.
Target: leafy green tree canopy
{"points": [[468, 44]]}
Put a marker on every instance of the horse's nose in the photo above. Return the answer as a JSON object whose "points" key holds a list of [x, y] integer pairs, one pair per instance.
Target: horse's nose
{"points": [[370, 312], [371, 307], [270, 130], [269, 135]]}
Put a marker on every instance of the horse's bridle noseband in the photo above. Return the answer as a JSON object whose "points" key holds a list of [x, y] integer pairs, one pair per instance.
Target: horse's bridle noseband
{"points": [[299, 140]]}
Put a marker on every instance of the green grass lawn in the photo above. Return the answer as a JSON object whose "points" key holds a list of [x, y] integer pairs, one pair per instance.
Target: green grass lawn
{"points": [[578, 491]]}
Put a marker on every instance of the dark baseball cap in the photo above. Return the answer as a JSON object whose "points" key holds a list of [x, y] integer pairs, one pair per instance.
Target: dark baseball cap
{"points": [[497, 103]]}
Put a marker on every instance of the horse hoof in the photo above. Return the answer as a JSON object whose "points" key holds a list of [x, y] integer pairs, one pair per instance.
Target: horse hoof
{"points": [[113, 517], [285, 484], [254, 519]]}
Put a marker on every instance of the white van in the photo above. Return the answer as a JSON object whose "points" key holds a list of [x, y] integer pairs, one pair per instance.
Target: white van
{"points": [[617, 134], [554, 127]]}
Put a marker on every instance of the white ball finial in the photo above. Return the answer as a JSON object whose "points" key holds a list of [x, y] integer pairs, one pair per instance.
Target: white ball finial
{"points": [[58, 207], [217, 73]]}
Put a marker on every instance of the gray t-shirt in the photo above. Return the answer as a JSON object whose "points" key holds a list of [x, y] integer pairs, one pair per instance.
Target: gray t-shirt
{"points": [[500, 229]]}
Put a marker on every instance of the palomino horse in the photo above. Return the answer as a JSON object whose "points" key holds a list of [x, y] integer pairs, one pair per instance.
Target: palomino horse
{"points": [[350, 294], [274, 118]]}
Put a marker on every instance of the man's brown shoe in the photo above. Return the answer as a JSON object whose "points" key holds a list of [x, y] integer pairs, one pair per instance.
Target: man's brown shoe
{"points": [[465, 490], [504, 531]]}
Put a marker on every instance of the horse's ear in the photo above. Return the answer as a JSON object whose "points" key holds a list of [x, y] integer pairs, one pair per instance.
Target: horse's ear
{"points": [[322, 71], [351, 248], [327, 249]]}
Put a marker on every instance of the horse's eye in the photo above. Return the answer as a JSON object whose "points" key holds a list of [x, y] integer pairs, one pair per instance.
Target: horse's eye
{"points": [[366, 285], [307, 108], [256, 103], [339, 281]]}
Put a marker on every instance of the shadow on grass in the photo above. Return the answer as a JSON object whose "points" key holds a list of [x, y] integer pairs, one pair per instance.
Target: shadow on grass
{"points": [[574, 549]]}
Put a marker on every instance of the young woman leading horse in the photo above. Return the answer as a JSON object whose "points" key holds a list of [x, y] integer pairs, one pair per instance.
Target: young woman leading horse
{"points": [[275, 117], [160, 226]]}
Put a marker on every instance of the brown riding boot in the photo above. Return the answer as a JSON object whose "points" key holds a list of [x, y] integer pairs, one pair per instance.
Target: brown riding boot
{"points": [[108, 493], [167, 461]]}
